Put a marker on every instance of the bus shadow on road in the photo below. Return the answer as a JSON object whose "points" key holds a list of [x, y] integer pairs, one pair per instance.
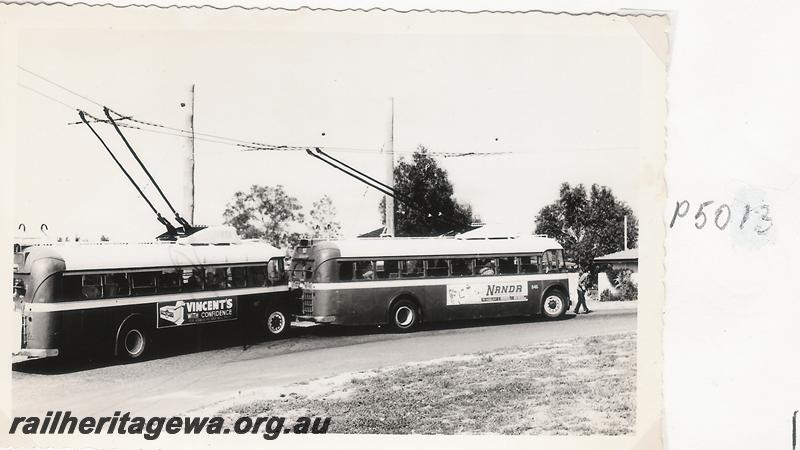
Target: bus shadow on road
{"points": [[343, 330], [302, 338]]}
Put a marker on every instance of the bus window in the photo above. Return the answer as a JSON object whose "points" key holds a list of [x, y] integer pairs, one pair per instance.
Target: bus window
{"points": [[115, 285], [71, 287], [192, 280], [345, 271], [411, 268], [238, 277], [462, 267], [217, 278], [553, 260], [530, 264], [92, 287], [387, 269], [275, 271], [365, 270], [436, 268], [507, 265], [487, 266], [143, 283], [256, 276], [169, 281]]}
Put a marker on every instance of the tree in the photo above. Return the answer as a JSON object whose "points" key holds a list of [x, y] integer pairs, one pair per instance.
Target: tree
{"points": [[434, 210], [587, 226], [265, 212], [104, 238], [322, 221]]}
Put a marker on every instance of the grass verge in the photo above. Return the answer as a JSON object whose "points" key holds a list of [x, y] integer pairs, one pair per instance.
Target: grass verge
{"points": [[575, 387]]}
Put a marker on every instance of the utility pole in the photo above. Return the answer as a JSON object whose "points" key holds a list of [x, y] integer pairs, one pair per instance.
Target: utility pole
{"points": [[388, 151], [188, 166], [625, 232]]}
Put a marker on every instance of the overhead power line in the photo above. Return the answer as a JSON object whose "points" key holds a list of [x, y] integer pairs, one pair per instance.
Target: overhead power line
{"points": [[131, 122]]}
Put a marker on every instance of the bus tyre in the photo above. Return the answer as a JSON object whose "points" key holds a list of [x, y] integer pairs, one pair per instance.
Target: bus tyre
{"points": [[133, 341], [554, 305], [276, 322], [404, 315]]}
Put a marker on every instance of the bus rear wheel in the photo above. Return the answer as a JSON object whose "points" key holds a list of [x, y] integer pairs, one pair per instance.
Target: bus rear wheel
{"points": [[404, 315], [554, 305], [133, 341], [276, 322]]}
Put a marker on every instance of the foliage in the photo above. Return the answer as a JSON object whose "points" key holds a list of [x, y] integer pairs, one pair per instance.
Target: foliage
{"points": [[587, 225], [434, 210], [626, 289], [265, 212], [104, 238], [321, 221]]}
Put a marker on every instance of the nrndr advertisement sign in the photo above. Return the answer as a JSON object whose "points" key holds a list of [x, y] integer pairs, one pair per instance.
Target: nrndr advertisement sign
{"points": [[190, 312], [475, 293]]}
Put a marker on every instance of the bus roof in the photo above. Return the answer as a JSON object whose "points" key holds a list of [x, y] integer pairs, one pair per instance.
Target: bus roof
{"points": [[116, 256], [396, 247]]}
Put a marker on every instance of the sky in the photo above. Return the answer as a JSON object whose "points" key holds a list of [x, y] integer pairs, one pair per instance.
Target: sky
{"points": [[565, 103]]}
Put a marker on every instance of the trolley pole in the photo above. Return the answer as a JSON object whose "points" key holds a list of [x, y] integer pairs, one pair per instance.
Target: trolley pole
{"points": [[188, 166], [388, 151]]}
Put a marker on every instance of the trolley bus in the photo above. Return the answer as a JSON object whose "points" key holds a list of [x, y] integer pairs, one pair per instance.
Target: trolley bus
{"points": [[119, 297], [403, 281]]}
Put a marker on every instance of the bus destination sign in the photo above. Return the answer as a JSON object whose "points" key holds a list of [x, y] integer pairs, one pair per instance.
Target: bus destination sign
{"points": [[190, 312], [480, 293]]}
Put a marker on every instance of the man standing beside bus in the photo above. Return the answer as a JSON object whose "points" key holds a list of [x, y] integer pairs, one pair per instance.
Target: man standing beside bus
{"points": [[583, 281]]}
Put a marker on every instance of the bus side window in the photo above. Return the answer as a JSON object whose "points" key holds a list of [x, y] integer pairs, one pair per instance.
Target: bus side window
{"points": [[143, 283], [365, 270], [412, 268], [436, 268], [345, 270], [560, 260], [238, 277], [257, 276], [115, 285], [462, 267], [192, 280], [530, 264], [507, 265], [486, 266], [92, 287], [387, 269], [275, 271], [169, 281], [71, 288]]}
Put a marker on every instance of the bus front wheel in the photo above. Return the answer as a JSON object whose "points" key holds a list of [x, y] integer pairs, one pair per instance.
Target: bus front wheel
{"points": [[133, 341], [554, 305], [405, 315], [276, 322]]}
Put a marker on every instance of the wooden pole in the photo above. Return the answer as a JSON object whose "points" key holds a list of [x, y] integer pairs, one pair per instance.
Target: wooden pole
{"points": [[388, 150], [625, 232], [188, 166]]}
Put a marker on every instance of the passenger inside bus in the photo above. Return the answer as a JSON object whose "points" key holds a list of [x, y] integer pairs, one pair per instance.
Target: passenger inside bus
{"points": [[488, 268]]}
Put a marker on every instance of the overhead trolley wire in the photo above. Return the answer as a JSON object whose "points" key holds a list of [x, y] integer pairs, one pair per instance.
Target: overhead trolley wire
{"points": [[242, 144]]}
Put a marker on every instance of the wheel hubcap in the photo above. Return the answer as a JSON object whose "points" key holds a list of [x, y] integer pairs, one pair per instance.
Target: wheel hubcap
{"points": [[553, 305], [404, 316], [134, 342], [276, 322]]}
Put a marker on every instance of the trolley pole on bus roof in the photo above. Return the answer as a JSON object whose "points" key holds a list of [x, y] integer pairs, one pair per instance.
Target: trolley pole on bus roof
{"points": [[388, 151], [188, 166]]}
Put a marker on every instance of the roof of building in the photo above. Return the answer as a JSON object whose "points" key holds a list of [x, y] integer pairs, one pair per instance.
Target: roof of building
{"points": [[442, 246], [632, 254]]}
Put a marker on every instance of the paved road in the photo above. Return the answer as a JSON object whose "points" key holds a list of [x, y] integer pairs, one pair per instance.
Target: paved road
{"points": [[175, 381]]}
